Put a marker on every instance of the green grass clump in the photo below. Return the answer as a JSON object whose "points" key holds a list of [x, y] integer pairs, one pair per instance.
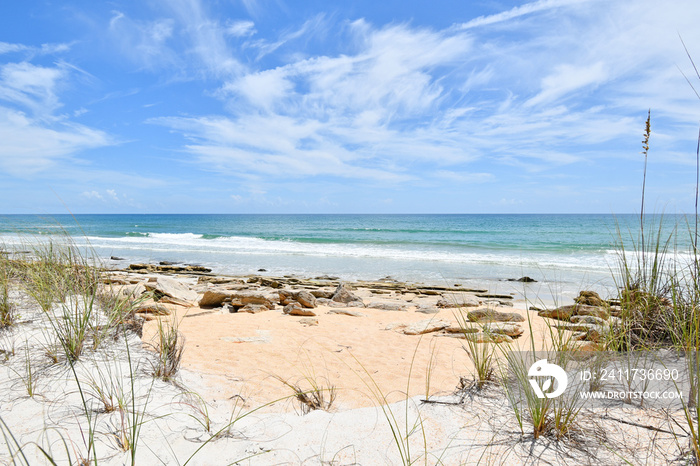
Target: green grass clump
{"points": [[170, 347]]}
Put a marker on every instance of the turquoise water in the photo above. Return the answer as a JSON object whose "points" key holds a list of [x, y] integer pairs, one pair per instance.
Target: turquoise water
{"points": [[568, 252]]}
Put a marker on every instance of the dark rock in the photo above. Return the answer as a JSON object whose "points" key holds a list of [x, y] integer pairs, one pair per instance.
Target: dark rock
{"points": [[525, 279], [493, 296], [167, 263], [262, 270], [115, 258]]}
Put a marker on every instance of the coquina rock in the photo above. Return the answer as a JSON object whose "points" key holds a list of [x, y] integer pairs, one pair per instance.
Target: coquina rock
{"points": [[303, 297], [253, 308], [344, 295], [295, 309], [566, 312], [388, 306], [426, 326], [165, 286], [491, 315], [214, 297], [590, 298]]}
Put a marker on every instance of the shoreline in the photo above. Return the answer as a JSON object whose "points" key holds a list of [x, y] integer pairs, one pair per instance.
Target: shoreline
{"points": [[382, 350]]}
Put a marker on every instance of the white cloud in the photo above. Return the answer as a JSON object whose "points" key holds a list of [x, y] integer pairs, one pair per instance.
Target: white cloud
{"points": [[33, 138], [92, 195], [523, 10], [546, 84], [30, 86], [567, 79], [32, 146], [241, 28], [44, 49]]}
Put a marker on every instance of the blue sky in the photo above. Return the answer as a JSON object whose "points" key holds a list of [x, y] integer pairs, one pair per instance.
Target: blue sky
{"points": [[256, 106]]}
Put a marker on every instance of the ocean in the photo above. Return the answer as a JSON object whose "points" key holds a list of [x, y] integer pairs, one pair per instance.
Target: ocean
{"points": [[564, 253]]}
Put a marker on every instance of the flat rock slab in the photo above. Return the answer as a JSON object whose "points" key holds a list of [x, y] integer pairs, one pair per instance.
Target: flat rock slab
{"points": [[502, 328], [346, 312], [426, 326], [587, 319], [491, 315], [164, 286], [295, 309], [481, 337], [253, 308], [566, 312], [153, 309], [308, 321], [455, 301], [214, 297], [388, 306]]}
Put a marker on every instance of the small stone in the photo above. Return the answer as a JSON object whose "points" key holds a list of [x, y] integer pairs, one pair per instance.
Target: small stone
{"points": [[423, 309], [387, 306], [308, 321], [346, 312]]}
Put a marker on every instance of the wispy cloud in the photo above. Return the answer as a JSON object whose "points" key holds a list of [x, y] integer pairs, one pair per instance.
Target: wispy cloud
{"points": [[523, 10], [240, 28], [43, 49], [31, 146], [34, 137]]}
